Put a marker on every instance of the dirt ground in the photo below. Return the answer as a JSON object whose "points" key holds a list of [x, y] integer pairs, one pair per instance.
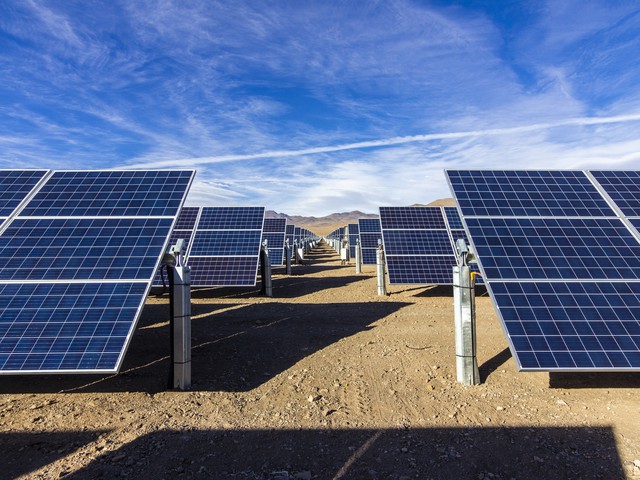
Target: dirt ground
{"points": [[326, 380]]}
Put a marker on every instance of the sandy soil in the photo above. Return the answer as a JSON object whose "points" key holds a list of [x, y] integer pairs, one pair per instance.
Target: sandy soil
{"points": [[325, 380]]}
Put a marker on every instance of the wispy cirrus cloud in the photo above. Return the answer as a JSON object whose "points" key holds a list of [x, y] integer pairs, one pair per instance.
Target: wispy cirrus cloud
{"points": [[322, 95]]}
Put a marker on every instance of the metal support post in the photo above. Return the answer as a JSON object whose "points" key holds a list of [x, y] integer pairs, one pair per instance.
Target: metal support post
{"points": [[180, 317], [358, 257], [465, 322], [287, 256], [265, 269], [382, 286]]}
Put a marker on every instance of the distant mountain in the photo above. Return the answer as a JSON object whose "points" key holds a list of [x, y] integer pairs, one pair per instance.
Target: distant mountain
{"points": [[326, 225], [322, 225]]}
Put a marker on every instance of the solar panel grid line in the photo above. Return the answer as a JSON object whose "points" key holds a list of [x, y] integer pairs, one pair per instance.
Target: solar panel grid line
{"points": [[542, 316]]}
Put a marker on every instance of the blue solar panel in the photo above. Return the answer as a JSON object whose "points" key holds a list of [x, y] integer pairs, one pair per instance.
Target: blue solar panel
{"points": [[231, 218], [624, 189], [354, 236], [274, 233], [411, 218], [527, 193], [225, 243], [418, 247], [370, 233], [555, 248], [453, 218], [369, 225], [417, 242], [72, 288], [572, 325], [110, 194], [187, 218], [226, 238], [15, 186], [566, 289], [422, 270], [59, 327], [54, 249], [221, 271]]}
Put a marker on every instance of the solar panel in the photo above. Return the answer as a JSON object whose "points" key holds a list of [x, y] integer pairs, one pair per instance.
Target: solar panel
{"points": [[419, 246], [354, 236], [274, 233], [225, 249], [563, 273], [84, 250], [370, 233]]}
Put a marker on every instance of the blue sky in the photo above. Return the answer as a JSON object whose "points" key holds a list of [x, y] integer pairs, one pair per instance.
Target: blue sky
{"points": [[316, 107]]}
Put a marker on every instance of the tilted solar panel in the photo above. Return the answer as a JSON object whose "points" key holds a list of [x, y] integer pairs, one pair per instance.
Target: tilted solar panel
{"points": [[354, 236], [225, 248], [563, 272], [274, 234], [370, 233], [85, 249], [418, 244]]}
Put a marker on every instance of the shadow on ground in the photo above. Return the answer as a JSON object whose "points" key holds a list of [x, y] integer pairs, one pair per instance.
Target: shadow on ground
{"points": [[234, 347], [438, 453], [594, 379], [25, 452]]}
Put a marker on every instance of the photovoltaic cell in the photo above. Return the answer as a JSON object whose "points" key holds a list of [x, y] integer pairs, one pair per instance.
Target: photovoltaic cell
{"points": [[567, 290], [77, 277]]}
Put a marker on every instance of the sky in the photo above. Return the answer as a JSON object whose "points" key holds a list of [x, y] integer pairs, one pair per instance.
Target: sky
{"points": [[310, 108]]}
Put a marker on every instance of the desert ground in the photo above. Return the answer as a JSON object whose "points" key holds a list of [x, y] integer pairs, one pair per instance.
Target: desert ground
{"points": [[325, 380]]}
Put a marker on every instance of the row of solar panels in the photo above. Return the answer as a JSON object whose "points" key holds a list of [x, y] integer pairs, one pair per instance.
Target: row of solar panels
{"points": [[419, 242], [82, 249], [559, 252]]}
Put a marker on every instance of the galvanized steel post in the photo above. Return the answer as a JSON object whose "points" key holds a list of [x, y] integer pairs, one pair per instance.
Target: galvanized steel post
{"points": [[465, 322], [382, 286]]}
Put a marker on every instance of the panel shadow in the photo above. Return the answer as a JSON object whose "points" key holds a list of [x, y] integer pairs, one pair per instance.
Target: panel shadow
{"points": [[25, 452], [594, 379], [433, 453], [234, 347]]}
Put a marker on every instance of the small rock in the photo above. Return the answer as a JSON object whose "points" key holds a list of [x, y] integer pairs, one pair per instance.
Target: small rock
{"points": [[329, 412], [499, 408], [117, 458], [314, 398]]}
